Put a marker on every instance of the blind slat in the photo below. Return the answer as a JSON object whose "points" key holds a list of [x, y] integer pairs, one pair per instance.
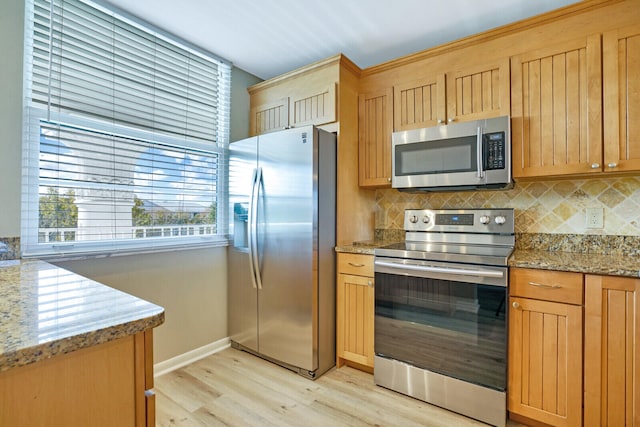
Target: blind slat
{"points": [[124, 160]]}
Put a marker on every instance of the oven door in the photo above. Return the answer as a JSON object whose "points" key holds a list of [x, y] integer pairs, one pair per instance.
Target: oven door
{"points": [[447, 318]]}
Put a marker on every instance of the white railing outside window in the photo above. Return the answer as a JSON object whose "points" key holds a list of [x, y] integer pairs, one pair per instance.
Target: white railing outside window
{"points": [[50, 235]]}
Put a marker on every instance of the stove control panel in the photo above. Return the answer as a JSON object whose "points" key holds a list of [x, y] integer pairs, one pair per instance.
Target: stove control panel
{"points": [[490, 221]]}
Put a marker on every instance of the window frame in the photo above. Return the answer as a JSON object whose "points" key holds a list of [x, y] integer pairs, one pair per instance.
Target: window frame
{"points": [[34, 115]]}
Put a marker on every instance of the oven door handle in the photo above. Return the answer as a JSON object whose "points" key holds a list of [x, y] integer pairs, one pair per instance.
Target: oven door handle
{"points": [[446, 270]]}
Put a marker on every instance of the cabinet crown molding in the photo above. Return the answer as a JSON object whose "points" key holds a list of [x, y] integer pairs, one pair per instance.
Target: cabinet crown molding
{"points": [[332, 60], [492, 34]]}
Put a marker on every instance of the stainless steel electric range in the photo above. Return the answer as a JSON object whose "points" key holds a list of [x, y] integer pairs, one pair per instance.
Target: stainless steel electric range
{"points": [[440, 318]]}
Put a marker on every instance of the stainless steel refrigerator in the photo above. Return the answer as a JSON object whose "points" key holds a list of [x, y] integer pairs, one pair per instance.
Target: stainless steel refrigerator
{"points": [[281, 275]]}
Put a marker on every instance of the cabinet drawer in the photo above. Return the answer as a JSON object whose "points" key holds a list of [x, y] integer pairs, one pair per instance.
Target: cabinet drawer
{"points": [[559, 286], [356, 264]]}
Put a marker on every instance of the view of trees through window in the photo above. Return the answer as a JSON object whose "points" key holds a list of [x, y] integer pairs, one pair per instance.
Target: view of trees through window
{"points": [[60, 211]]}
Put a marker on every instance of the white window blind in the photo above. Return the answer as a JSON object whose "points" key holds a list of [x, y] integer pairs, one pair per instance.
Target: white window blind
{"points": [[125, 134]]}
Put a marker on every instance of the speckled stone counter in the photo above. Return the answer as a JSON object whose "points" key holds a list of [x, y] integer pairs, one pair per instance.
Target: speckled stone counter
{"points": [[613, 265], [46, 310], [364, 247], [608, 255]]}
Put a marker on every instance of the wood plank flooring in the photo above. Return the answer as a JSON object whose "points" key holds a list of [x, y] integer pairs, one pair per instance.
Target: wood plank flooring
{"points": [[234, 388]]}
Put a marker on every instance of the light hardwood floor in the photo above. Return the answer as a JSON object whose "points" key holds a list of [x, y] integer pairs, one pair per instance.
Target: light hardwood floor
{"points": [[234, 388]]}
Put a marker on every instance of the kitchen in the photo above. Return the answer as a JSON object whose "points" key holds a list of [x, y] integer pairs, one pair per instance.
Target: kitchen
{"points": [[545, 207]]}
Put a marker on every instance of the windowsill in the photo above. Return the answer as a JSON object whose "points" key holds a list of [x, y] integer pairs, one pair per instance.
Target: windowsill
{"points": [[108, 253]]}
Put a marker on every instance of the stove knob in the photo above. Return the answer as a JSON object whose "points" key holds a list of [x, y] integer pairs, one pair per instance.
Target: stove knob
{"points": [[500, 220], [413, 219], [426, 219], [485, 219]]}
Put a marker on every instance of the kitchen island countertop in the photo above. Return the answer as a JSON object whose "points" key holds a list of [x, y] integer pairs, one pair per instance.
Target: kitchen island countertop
{"points": [[46, 310]]}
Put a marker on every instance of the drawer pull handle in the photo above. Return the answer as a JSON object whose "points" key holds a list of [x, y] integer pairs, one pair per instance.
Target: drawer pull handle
{"points": [[353, 264], [515, 305], [541, 285]]}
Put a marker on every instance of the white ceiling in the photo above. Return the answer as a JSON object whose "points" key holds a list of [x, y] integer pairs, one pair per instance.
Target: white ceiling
{"points": [[269, 37]]}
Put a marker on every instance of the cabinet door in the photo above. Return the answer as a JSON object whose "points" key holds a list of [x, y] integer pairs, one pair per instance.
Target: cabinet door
{"points": [[375, 123], [612, 351], [270, 117], [545, 361], [621, 65], [556, 110], [479, 93], [355, 311], [315, 108], [418, 104], [95, 386]]}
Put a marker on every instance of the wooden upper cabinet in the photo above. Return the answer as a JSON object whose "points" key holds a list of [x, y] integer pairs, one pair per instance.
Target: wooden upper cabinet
{"points": [[419, 103], [556, 110], [478, 93], [621, 75], [468, 94], [306, 96], [375, 125], [315, 108], [307, 105], [270, 116]]}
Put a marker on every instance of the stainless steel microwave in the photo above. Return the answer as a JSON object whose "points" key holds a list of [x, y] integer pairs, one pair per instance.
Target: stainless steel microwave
{"points": [[457, 156]]}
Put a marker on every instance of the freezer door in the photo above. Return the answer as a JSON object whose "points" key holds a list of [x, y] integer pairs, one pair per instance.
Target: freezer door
{"points": [[241, 293], [287, 305]]}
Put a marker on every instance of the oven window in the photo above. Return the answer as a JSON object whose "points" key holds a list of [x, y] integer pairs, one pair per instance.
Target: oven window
{"points": [[453, 328], [450, 155]]}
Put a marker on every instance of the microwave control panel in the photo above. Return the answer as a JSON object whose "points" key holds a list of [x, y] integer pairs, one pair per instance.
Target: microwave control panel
{"points": [[494, 150]]}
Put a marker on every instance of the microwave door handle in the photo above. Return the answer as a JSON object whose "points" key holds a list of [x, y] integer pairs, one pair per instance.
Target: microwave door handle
{"points": [[479, 156]]}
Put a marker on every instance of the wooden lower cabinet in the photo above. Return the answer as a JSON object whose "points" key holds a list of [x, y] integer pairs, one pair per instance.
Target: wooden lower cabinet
{"points": [[612, 351], [101, 386], [545, 348], [355, 311]]}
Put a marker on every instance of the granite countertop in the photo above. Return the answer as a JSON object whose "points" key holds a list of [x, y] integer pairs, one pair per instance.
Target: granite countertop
{"points": [[613, 265], [46, 310], [366, 247]]}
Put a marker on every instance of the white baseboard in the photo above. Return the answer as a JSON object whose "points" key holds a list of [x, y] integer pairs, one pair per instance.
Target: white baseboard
{"points": [[184, 359]]}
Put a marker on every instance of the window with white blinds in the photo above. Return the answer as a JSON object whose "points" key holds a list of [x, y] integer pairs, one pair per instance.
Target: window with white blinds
{"points": [[125, 132]]}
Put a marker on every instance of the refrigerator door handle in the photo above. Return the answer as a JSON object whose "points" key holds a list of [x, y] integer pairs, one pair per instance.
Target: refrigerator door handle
{"points": [[255, 257], [251, 220]]}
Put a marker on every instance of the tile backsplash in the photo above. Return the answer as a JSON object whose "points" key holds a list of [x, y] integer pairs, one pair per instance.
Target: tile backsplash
{"points": [[553, 207]]}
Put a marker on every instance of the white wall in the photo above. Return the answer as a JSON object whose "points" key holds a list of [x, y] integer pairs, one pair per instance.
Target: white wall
{"points": [[191, 285], [11, 45], [240, 81]]}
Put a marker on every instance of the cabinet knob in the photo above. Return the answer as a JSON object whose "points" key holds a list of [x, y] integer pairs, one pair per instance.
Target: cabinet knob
{"points": [[451, 119], [595, 165], [516, 304], [612, 165], [440, 121], [370, 283], [389, 179]]}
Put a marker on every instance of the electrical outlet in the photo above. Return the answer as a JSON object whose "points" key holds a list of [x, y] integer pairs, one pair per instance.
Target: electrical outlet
{"points": [[595, 218]]}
